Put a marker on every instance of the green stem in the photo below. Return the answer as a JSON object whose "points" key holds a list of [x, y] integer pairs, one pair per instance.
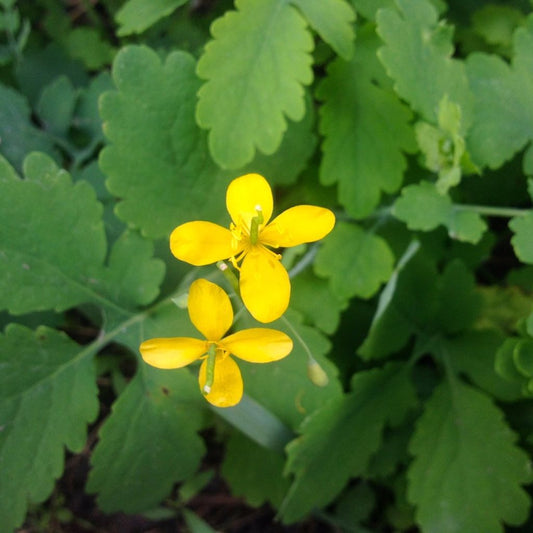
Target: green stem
{"points": [[229, 275], [507, 212], [210, 370]]}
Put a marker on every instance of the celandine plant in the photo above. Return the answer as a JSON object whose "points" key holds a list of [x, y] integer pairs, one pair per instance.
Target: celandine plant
{"points": [[395, 270]]}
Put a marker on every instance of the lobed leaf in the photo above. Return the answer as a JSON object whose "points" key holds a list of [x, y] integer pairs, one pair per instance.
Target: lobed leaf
{"points": [[157, 161], [135, 16], [366, 133], [333, 21], [503, 103], [19, 136], [418, 56], [355, 261], [422, 207], [521, 240], [347, 431], [48, 395], [255, 67], [467, 471], [149, 442], [46, 267]]}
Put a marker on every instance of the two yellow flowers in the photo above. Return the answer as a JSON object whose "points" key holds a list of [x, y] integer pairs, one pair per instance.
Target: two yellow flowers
{"points": [[263, 282]]}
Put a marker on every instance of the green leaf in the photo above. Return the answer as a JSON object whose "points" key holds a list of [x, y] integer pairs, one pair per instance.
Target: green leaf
{"points": [[521, 240], [417, 55], [135, 16], [333, 21], [366, 131], [48, 395], [357, 262], [87, 45], [503, 104], [251, 86], [19, 136], [45, 203], [157, 161], [474, 354], [467, 471], [369, 8], [413, 304], [496, 23], [149, 442], [56, 105], [331, 436], [422, 207], [253, 472]]}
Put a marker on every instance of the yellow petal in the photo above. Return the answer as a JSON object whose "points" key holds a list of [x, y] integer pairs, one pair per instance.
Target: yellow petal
{"points": [[227, 386], [209, 309], [202, 243], [303, 223], [258, 345], [172, 352], [245, 195], [265, 286]]}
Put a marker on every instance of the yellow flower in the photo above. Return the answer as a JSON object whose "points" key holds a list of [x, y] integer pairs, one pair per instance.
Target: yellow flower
{"points": [[264, 282], [211, 313]]}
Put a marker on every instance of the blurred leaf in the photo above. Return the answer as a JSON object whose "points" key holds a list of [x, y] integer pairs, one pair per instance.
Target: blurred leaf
{"points": [[56, 105], [17, 133], [87, 45], [255, 67], [355, 505], [253, 472], [503, 103], [467, 472], [333, 21], [369, 8], [195, 524], [135, 16], [496, 23], [48, 395], [418, 56], [357, 262], [157, 161], [365, 132], [331, 434], [422, 207], [149, 442], [45, 204], [521, 241]]}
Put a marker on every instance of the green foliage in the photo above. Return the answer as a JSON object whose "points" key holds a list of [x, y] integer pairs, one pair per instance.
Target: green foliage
{"points": [[502, 124], [405, 402], [423, 208], [135, 463], [148, 152], [454, 456], [245, 101], [43, 408], [135, 16], [357, 262], [331, 436], [417, 55], [45, 203], [374, 124]]}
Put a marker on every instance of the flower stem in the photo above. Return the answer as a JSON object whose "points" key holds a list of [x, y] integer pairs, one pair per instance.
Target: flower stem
{"points": [[210, 370], [314, 371], [488, 210]]}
